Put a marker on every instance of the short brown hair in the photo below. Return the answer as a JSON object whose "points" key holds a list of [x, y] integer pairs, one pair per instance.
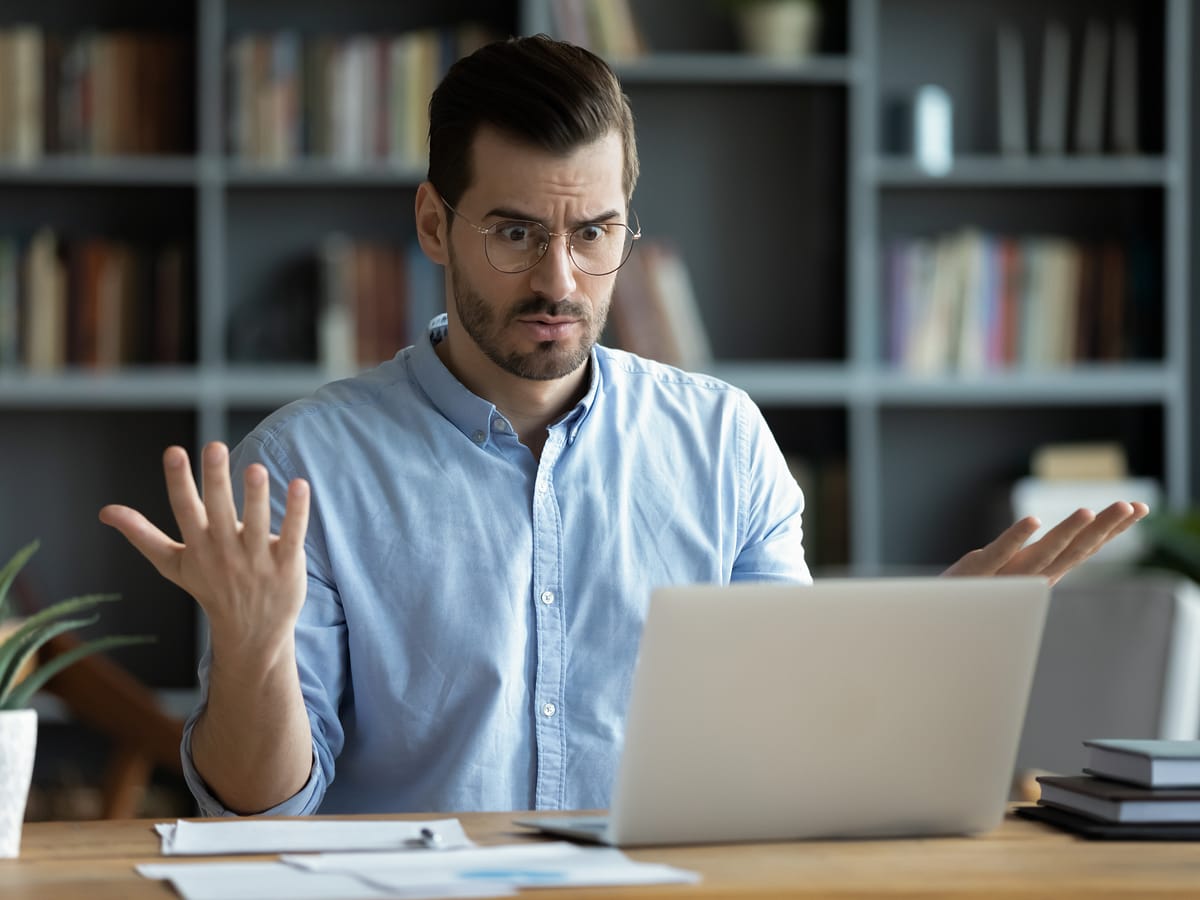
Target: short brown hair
{"points": [[552, 94]]}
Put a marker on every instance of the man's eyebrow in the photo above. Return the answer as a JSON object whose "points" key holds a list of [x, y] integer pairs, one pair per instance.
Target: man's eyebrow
{"points": [[503, 212]]}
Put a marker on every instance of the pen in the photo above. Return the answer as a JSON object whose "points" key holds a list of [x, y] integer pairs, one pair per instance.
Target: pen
{"points": [[429, 839]]}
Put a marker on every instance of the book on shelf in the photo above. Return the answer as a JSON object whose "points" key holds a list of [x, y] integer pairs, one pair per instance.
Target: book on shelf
{"points": [[375, 298], [352, 99], [1055, 79], [93, 303], [606, 27], [1080, 461], [1093, 79], [10, 334], [972, 301], [654, 310], [1114, 801], [1124, 118], [1010, 82], [1146, 763]]}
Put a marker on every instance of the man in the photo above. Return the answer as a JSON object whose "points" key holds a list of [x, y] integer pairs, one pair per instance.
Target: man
{"points": [[455, 627]]}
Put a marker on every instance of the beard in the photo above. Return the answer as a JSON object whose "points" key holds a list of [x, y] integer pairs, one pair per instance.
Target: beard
{"points": [[549, 359]]}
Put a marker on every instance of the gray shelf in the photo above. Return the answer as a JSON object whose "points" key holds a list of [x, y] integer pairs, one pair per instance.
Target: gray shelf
{"points": [[142, 171], [998, 171], [734, 68], [1084, 385], [318, 173]]}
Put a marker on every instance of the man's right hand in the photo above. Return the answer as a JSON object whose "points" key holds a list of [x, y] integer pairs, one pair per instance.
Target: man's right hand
{"points": [[251, 743], [250, 582]]}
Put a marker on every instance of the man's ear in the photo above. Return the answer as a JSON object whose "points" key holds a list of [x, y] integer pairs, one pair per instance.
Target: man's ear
{"points": [[432, 224]]}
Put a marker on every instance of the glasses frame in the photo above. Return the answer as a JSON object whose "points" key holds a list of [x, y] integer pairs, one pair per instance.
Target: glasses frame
{"points": [[567, 235]]}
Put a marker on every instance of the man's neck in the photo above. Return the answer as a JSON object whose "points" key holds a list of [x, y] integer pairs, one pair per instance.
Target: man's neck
{"points": [[531, 406]]}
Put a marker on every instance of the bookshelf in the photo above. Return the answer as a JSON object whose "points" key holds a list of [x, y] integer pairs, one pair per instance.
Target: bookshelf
{"points": [[775, 181]]}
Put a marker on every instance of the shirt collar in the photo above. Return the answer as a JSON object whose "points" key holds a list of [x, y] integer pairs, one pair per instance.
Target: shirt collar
{"points": [[471, 414]]}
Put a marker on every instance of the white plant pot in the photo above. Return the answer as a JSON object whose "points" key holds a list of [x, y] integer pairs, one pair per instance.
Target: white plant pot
{"points": [[18, 740], [780, 29]]}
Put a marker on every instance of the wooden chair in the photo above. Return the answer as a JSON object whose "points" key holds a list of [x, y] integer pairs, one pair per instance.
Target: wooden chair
{"points": [[102, 695]]}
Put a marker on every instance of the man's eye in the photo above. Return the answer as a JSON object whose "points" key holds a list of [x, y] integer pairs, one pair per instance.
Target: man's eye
{"points": [[513, 232], [590, 234]]}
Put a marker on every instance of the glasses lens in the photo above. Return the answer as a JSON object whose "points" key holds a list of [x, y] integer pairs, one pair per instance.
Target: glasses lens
{"points": [[515, 246], [601, 248]]}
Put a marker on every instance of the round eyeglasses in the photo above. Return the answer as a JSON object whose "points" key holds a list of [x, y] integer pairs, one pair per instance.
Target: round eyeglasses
{"points": [[515, 245]]}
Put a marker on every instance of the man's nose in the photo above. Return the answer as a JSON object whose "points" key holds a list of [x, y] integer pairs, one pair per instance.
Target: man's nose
{"points": [[554, 275]]}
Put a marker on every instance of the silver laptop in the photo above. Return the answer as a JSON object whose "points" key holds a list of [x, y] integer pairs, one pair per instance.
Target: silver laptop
{"points": [[851, 708]]}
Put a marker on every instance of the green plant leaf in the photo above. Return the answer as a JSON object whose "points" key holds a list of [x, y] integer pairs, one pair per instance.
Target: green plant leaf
{"points": [[17, 642], [9, 573], [16, 655], [19, 698]]}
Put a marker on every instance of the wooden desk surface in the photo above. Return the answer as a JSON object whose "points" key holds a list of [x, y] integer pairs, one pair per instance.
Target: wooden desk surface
{"points": [[94, 860]]}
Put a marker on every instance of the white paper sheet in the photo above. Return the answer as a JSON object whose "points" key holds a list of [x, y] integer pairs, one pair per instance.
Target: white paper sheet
{"points": [[223, 837], [557, 864], [277, 881]]}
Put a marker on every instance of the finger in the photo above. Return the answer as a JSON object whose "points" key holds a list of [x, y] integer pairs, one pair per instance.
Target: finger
{"points": [[218, 491], [988, 560], [256, 507], [295, 519], [1140, 511], [161, 550], [185, 500], [1034, 558], [1108, 524]]}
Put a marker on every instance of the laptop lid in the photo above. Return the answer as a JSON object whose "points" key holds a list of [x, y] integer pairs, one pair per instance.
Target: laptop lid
{"points": [[850, 708]]}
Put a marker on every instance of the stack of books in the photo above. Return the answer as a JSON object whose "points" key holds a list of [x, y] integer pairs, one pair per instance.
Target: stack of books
{"points": [[1131, 789]]}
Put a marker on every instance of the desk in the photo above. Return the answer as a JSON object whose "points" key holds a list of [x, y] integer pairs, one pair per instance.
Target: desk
{"points": [[94, 860]]}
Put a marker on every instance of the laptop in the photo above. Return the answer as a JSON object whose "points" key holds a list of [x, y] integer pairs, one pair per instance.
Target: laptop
{"points": [[853, 708]]}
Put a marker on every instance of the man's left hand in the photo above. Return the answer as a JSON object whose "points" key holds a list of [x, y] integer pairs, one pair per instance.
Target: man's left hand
{"points": [[1053, 555]]}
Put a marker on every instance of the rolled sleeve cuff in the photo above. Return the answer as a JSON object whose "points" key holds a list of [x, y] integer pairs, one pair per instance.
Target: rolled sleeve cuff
{"points": [[304, 802]]}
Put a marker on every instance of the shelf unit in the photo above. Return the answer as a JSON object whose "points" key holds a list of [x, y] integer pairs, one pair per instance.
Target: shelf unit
{"points": [[789, 153]]}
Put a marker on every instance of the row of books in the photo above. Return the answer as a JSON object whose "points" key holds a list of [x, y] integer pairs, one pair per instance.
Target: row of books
{"points": [[351, 99], [93, 93], [1130, 788], [1103, 114], [606, 27], [654, 311], [375, 298], [972, 301], [93, 302]]}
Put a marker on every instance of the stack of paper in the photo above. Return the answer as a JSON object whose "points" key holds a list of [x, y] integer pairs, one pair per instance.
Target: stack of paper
{"points": [[376, 868]]}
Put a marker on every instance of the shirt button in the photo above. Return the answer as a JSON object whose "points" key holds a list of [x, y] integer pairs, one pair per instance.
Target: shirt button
{"points": [[500, 425], [548, 710], [479, 437], [547, 597]]}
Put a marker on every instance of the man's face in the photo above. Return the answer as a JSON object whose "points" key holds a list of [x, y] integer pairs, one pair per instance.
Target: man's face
{"points": [[540, 323]]}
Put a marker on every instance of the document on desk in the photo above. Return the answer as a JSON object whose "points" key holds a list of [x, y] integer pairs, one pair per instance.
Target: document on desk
{"points": [[478, 872], [558, 864], [224, 837], [279, 881]]}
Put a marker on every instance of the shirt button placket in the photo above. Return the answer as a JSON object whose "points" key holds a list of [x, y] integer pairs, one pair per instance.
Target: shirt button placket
{"points": [[549, 792]]}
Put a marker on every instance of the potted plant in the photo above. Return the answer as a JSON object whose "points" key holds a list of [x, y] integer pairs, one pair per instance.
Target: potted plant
{"points": [[778, 29], [21, 677]]}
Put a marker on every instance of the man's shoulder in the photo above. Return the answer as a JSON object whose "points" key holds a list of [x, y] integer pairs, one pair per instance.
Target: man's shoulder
{"points": [[628, 370], [355, 398]]}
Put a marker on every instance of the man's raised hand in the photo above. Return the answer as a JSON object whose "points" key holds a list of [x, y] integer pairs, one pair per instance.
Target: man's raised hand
{"points": [[250, 582], [1058, 551]]}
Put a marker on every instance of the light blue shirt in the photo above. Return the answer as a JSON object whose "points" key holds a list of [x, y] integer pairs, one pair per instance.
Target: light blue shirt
{"points": [[473, 613]]}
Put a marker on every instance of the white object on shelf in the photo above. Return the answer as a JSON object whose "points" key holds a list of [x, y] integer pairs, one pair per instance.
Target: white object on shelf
{"points": [[1054, 500], [933, 130]]}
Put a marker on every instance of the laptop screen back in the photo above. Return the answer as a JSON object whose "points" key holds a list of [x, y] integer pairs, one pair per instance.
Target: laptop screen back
{"points": [[856, 707]]}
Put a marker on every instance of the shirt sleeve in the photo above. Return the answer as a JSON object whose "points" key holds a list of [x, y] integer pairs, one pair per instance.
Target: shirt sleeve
{"points": [[771, 507]]}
